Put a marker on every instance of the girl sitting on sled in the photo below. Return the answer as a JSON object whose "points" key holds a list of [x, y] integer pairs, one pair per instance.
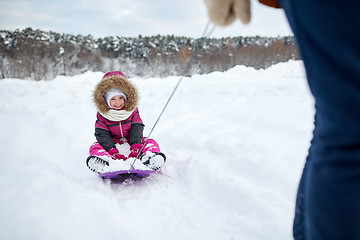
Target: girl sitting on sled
{"points": [[118, 125]]}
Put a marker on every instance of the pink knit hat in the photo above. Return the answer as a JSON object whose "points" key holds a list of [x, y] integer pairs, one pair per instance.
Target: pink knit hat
{"points": [[109, 74]]}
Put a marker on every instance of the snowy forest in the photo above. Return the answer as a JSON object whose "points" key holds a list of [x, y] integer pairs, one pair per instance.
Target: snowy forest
{"points": [[36, 54]]}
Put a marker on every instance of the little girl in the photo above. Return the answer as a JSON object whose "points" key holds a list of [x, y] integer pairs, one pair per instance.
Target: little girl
{"points": [[118, 124]]}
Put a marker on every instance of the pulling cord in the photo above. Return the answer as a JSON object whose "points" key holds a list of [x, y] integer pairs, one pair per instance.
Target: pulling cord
{"points": [[205, 34]]}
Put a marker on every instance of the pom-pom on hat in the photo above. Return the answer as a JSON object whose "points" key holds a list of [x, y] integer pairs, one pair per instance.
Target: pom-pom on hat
{"points": [[111, 93]]}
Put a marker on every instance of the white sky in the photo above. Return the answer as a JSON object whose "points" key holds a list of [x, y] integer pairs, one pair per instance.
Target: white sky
{"points": [[133, 17]]}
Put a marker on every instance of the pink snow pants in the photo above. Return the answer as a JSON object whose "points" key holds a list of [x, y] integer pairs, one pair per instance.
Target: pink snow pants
{"points": [[97, 150]]}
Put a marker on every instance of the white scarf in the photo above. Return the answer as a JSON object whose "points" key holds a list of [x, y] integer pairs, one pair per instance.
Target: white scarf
{"points": [[116, 115]]}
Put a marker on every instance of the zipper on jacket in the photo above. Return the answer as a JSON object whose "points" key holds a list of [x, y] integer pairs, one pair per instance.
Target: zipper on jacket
{"points": [[122, 135]]}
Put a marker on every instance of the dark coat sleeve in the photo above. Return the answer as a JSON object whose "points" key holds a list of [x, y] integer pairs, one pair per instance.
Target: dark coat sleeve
{"points": [[102, 133], [104, 138], [136, 133]]}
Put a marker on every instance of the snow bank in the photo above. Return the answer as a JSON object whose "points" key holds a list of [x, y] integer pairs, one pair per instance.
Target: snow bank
{"points": [[235, 145]]}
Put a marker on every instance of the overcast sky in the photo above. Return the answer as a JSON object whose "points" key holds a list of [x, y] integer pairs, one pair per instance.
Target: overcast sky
{"points": [[133, 17]]}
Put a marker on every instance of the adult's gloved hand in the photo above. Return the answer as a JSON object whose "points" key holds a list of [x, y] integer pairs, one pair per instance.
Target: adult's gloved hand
{"points": [[135, 150], [116, 155], [225, 12]]}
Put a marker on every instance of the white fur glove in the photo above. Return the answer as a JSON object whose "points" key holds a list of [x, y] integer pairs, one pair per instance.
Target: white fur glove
{"points": [[224, 12]]}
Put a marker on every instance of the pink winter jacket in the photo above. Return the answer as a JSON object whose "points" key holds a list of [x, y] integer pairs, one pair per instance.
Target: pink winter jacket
{"points": [[109, 132]]}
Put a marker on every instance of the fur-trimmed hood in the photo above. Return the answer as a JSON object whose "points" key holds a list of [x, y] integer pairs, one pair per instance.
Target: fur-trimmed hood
{"points": [[115, 80]]}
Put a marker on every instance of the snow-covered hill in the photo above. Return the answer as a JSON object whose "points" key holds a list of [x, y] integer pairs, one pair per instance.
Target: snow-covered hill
{"points": [[235, 143]]}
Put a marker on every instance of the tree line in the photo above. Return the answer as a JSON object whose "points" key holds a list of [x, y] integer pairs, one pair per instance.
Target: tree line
{"points": [[43, 55]]}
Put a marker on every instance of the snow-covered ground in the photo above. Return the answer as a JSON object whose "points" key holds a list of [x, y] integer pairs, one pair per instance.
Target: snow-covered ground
{"points": [[235, 144]]}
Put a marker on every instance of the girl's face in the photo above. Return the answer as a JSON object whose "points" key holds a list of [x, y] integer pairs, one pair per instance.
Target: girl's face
{"points": [[117, 102]]}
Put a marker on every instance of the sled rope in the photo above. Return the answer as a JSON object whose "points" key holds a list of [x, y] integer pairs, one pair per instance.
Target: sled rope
{"points": [[207, 32]]}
